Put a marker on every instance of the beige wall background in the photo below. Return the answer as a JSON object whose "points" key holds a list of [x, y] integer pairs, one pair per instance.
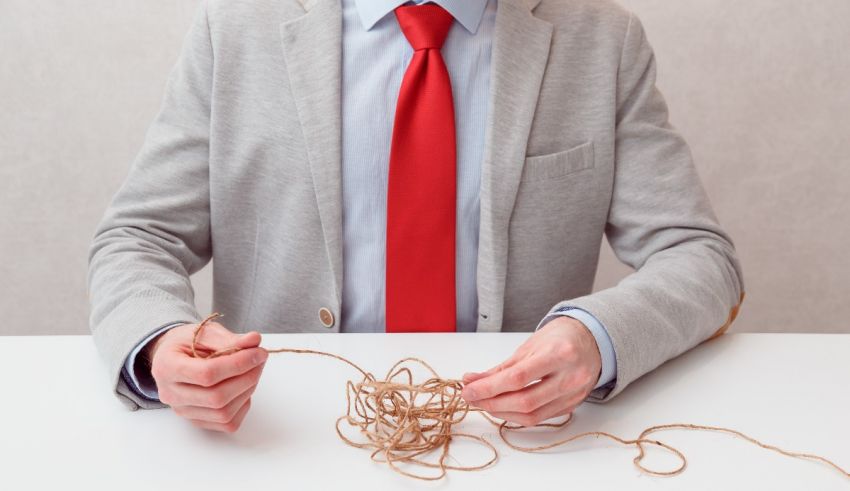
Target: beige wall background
{"points": [[761, 90]]}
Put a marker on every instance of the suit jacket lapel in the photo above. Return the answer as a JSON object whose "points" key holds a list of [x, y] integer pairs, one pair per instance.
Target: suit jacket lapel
{"points": [[312, 50], [519, 56]]}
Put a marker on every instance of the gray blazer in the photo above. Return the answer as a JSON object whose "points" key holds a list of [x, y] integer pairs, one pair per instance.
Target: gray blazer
{"points": [[242, 165]]}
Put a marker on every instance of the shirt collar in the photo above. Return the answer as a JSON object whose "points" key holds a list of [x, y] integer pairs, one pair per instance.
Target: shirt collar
{"points": [[467, 12]]}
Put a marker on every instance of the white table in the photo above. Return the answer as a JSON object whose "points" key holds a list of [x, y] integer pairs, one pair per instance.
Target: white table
{"points": [[63, 428]]}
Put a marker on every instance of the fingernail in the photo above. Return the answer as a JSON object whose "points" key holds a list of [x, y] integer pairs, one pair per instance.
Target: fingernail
{"points": [[468, 394]]}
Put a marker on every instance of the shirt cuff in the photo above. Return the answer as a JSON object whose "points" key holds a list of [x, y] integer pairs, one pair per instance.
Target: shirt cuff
{"points": [[142, 383], [600, 334]]}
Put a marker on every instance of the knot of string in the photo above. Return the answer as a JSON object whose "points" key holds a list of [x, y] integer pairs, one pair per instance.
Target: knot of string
{"points": [[408, 424]]}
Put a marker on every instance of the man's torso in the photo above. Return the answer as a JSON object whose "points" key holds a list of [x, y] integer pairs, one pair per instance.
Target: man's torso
{"points": [[276, 147]]}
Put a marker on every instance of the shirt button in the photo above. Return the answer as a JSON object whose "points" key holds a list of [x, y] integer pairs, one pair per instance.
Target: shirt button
{"points": [[326, 317]]}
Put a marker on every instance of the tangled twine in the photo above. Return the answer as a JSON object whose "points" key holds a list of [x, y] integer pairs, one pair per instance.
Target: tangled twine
{"points": [[403, 422]]}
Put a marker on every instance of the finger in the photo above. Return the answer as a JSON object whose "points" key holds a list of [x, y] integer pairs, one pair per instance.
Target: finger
{"points": [[216, 337], [558, 407], [221, 415], [473, 376], [524, 400], [250, 339], [207, 372], [217, 396], [228, 427], [513, 378]]}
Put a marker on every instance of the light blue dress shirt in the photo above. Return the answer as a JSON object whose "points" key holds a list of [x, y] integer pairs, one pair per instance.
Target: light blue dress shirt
{"points": [[375, 55]]}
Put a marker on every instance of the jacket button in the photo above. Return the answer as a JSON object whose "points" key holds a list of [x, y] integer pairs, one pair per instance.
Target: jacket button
{"points": [[326, 317]]}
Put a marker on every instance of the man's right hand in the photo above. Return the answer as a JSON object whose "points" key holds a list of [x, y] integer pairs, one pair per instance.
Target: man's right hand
{"points": [[211, 393]]}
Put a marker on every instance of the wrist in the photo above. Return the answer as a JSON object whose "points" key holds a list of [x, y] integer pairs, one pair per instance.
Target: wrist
{"points": [[596, 353]]}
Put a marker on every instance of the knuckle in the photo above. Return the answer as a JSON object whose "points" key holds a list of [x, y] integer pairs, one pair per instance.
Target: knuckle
{"points": [[517, 377], [526, 403], [223, 415], [566, 351], [205, 376], [216, 400]]}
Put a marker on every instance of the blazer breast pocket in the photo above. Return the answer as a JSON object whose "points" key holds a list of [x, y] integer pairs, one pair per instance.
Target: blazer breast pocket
{"points": [[558, 164]]}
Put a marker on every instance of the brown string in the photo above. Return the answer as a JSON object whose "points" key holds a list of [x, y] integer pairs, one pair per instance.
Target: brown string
{"points": [[403, 422]]}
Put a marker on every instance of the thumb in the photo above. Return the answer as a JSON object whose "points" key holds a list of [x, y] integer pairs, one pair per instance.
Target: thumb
{"points": [[248, 340]]}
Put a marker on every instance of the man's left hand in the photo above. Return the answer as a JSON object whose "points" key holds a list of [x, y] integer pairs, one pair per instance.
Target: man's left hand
{"points": [[547, 376]]}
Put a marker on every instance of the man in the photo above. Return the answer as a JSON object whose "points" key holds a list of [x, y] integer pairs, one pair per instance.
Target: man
{"points": [[446, 166]]}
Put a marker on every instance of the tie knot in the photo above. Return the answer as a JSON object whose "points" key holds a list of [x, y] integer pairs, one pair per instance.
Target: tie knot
{"points": [[425, 26]]}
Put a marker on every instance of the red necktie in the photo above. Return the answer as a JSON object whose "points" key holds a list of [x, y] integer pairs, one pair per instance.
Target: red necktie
{"points": [[420, 281]]}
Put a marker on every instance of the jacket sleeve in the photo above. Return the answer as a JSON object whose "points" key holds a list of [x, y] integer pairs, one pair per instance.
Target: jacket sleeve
{"points": [[155, 232], [688, 284]]}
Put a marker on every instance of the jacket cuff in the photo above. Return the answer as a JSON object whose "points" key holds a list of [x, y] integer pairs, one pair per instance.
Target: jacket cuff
{"points": [[136, 371]]}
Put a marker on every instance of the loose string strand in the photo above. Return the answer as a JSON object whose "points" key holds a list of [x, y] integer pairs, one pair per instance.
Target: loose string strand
{"points": [[404, 423]]}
